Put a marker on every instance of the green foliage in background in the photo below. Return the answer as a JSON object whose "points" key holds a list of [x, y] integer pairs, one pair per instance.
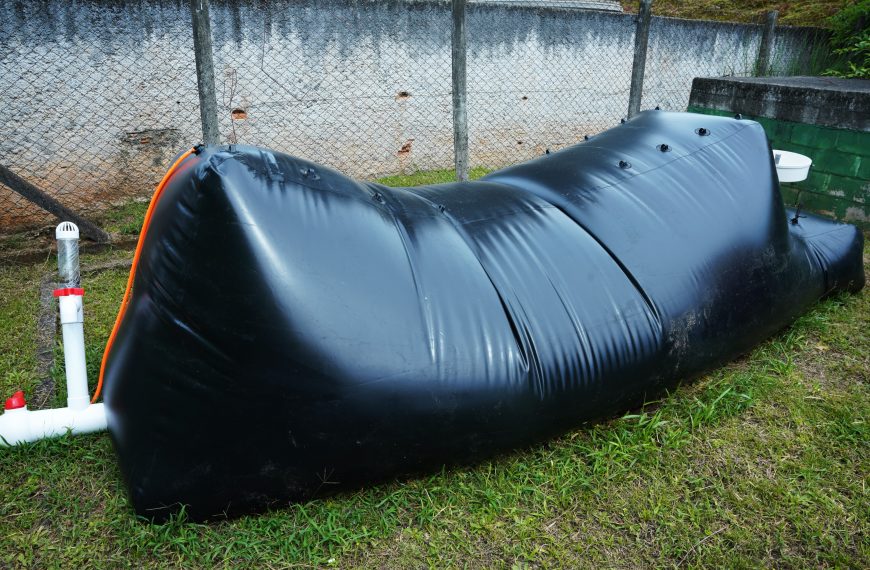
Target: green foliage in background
{"points": [[851, 40], [794, 13]]}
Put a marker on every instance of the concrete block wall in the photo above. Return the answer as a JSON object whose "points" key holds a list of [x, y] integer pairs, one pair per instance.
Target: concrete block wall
{"points": [[831, 128]]}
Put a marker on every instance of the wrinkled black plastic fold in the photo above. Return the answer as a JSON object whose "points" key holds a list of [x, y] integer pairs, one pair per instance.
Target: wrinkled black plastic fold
{"points": [[293, 332]]}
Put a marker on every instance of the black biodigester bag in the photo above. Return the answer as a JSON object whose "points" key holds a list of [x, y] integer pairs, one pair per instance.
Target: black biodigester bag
{"points": [[293, 332]]}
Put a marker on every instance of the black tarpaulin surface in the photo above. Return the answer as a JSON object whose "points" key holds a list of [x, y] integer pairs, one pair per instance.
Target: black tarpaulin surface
{"points": [[293, 332]]}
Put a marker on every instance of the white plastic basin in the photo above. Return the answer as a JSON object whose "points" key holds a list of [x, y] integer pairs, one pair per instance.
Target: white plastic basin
{"points": [[791, 166]]}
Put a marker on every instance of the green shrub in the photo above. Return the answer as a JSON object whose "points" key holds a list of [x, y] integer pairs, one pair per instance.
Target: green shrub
{"points": [[850, 39]]}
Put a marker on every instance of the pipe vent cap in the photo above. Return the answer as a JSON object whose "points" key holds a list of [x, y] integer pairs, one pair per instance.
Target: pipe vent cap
{"points": [[66, 230]]}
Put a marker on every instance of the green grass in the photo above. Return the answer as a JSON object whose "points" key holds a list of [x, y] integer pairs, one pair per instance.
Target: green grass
{"points": [[431, 177], [763, 462], [124, 220]]}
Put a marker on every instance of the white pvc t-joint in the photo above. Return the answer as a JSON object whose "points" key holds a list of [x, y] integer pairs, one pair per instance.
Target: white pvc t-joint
{"points": [[20, 425]]}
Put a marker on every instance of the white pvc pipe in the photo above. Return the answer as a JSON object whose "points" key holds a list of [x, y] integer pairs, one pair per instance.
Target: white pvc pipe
{"points": [[20, 425], [72, 322], [23, 426]]}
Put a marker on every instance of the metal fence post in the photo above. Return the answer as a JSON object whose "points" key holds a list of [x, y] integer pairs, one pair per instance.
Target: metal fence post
{"points": [[204, 71], [39, 197], [641, 38], [762, 65], [460, 115]]}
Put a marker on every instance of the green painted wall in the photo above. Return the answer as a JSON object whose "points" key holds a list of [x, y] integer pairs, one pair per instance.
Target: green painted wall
{"points": [[839, 181]]}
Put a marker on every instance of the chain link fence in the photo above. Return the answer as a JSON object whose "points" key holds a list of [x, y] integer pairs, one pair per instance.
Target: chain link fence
{"points": [[99, 96], [364, 88]]}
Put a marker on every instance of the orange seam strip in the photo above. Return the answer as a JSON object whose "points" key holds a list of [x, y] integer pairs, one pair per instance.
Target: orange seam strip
{"points": [[123, 309]]}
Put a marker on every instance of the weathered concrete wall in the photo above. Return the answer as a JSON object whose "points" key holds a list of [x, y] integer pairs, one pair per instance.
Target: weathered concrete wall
{"points": [[824, 118], [822, 101], [609, 5], [99, 95]]}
